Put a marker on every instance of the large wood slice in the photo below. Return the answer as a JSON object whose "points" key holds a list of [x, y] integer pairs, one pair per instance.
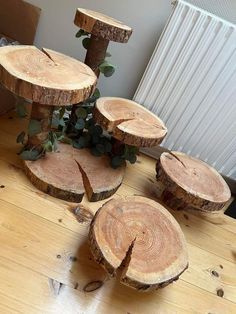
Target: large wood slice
{"points": [[45, 77], [68, 173], [102, 26], [139, 237], [189, 183], [129, 122]]}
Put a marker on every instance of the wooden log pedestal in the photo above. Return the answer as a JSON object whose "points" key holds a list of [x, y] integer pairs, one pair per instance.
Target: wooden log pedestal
{"points": [[138, 238], [50, 79], [129, 122], [102, 29], [189, 183]]}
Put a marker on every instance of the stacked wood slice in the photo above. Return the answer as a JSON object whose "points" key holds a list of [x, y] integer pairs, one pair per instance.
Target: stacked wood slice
{"points": [[129, 122], [69, 173], [139, 238], [189, 183]]}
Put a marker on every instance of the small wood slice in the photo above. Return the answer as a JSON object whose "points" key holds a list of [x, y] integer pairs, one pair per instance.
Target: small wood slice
{"points": [[57, 174], [45, 77], [129, 122], [102, 26], [68, 173], [189, 183], [140, 237]]}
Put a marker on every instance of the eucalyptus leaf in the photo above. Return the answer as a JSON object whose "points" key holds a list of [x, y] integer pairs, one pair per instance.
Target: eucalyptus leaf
{"points": [[107, 68], [21, 137], [116, 161], [81, 113], [30, 155], [65, 139], [100, 148], [48, 146], [108, 147], [81, 33], [62, 112], [34, 127], [95, 152], [80, 124], [85, 42], [132, 159]]}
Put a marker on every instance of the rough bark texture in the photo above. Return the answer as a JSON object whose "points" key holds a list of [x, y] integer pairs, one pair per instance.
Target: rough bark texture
{"points": [[189, 183], [46, 77], [96, 53], [102, 26], [138, 237], [129, 122], [68, 173], [43, 114]]}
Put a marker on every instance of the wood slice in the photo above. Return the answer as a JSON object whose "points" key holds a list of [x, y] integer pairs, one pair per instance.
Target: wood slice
{"points": [[46, 77], [189, 183], [140, 237], [102, 26], [129, 122], [68, 173]]}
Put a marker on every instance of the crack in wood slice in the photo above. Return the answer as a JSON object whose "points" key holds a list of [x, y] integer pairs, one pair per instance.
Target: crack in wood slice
{"points": [[129, 122], [140, 238], [195, 186], [45, 77], [102, 26], [68, 173]]}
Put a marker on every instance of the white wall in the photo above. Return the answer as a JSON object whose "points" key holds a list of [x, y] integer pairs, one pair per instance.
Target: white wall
{"points": [[147, 18]]}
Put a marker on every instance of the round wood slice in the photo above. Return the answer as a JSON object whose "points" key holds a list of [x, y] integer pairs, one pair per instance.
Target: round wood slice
{"points": [[68, 173], [102, 26], [129, 122], [46, 77], [140, 237], [189, 183]]}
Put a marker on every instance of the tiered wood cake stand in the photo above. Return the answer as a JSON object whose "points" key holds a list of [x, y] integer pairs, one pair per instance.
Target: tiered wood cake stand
{"points": [[189, 183], [52, 79], [138, 240]]}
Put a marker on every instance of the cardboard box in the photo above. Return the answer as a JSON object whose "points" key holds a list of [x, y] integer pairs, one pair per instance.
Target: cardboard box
{"points": [[18, 22]]}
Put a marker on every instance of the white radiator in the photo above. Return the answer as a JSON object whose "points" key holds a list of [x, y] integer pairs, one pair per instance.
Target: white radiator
{"points": [[190, 83]]}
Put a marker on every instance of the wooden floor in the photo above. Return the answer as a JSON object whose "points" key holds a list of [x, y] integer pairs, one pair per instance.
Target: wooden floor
{"points": [[45, 260]]}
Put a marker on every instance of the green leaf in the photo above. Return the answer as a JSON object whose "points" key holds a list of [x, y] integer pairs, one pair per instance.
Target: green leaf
{"points": [[65, 139], [48, 146], [85, 42], [81, 113], [108, 54], [81, 33], [95, 129], [95, 138], [34, 127], [62, 112], [107, 69], [100, 148], [80, 143], [20, 138], [30, 155], [80, 124], [97, 93], [21, 108], [108, 147], [132, 159], [117, 161], [95, 152]]}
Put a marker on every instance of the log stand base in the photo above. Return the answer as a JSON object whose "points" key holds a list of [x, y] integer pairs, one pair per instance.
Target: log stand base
{"points": [[139, 238], [42, 114], [69, 173]]}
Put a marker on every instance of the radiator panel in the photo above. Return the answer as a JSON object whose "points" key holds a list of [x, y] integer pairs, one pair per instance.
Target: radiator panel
{"points": [[190, 83]]}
